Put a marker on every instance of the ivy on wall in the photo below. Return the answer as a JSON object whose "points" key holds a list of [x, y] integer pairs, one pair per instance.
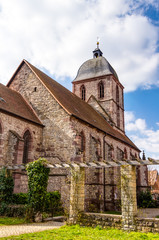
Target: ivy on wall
{"points": [[38, 175], [6, 185], [6, 189]]}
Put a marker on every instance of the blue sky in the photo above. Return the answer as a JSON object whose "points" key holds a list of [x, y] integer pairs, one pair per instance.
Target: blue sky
{"points": [[58, 36]]}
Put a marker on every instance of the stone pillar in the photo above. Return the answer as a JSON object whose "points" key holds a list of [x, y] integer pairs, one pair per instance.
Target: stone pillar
{"points": [[128, 197], [77, 195]]}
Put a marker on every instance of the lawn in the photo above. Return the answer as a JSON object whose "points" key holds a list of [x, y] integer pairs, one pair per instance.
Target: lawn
{"points": [[84, 233], [11, 221]]}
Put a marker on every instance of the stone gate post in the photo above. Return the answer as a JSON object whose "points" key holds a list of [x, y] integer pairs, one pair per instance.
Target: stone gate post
{"points": [[77, 195], [128, 197]]}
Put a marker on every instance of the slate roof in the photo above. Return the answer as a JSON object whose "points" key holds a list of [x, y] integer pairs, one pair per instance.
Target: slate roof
{"points": [[75, 106], [13, 103], [94, 68]]}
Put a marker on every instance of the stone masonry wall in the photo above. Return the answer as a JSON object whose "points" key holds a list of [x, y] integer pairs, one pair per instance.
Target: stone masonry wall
{"points": [[109, 100], [98, 190], [115, 221], [60, 140], [57, 133], [19, 126]]}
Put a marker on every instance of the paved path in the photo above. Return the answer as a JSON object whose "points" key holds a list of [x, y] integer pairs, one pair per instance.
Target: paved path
{"points": [[6, 231]]}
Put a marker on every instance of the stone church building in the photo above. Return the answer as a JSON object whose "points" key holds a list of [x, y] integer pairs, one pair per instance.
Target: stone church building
{"points": [[41, 118]]}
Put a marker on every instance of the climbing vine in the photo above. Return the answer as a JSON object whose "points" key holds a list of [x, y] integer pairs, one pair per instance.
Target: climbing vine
{"points": [[6, 185], [38, 175], [6, 189]]}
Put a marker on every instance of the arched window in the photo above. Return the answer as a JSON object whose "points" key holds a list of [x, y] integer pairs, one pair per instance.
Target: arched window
{"points": [[120, 154], [125, 154], [101, 90], [118, 116], [83, 92], [27, 142], [82, 142], [98, 148], [108, 151]]}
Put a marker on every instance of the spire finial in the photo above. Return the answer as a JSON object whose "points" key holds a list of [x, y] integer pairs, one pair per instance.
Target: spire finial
{"points": [[143, 155], [98, 42]]}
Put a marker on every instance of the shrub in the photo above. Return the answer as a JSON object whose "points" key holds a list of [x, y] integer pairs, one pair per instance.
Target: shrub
{"points": [[20, 198], [37, 182], [145, 200], [53, 203], [6, 189], [6, 186]]}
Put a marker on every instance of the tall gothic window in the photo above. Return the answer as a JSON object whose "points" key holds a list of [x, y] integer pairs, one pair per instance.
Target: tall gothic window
{"points": [[101, 90], [120, 154], [118, 116], [83, 92], [108, 152], [82, 142], [27, 141], [118, 108], [117, 94], [125, 154]]}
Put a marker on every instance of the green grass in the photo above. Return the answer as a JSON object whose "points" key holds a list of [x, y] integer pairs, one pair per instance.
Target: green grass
{"points": [[11, 221], [84, 233]]}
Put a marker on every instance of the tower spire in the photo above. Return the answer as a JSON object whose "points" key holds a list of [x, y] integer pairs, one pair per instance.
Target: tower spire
{"points": [[97, 52]]}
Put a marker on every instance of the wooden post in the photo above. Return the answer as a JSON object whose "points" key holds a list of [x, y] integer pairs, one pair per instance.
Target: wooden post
{"points": [[128, 197], [77, 195]]}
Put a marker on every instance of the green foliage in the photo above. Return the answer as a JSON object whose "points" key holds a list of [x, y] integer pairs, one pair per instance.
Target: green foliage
{"points": [[3, 208], [37, 182], [76, 232], [15, 211], [6, 189], [20, 198], [145, 200], [6, 186], [53, 203]]}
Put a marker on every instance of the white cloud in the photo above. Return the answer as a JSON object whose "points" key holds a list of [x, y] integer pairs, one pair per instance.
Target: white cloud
{"points": [[60, 35], [146, 139]]}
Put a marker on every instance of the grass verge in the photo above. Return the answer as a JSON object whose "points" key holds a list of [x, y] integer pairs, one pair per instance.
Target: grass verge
{"points": [[11, 221], [84, 233]]}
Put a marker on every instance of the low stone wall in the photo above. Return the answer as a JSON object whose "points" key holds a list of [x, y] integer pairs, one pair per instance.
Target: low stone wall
{"points": [[148, 212], [99, 219], [147, 225], [115, 221]]}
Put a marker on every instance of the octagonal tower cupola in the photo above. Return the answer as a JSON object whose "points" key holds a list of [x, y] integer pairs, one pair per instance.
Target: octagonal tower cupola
{"points": [[97, 78], [97, 52]]}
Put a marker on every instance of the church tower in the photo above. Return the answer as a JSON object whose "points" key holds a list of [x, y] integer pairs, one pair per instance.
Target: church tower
{"points": [[97, 83]]}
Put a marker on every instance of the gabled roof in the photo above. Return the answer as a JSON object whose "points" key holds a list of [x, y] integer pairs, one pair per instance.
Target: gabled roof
{"points": [[75, 106], [13, 103], [100, 109]]}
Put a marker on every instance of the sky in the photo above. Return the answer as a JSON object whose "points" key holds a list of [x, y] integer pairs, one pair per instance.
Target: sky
{"points": [[57, 36]]}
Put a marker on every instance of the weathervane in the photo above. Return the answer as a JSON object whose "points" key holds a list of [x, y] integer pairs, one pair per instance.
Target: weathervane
{"points": [[98, 42]]}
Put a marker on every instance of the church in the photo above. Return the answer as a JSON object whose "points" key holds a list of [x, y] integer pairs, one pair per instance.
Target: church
{"points": [[41, 118]]}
